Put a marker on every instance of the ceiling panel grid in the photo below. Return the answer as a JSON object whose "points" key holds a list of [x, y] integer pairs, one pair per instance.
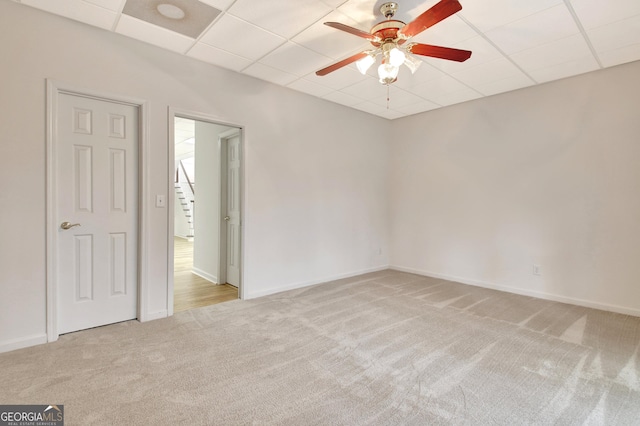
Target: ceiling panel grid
{"points": [[515, 43]]}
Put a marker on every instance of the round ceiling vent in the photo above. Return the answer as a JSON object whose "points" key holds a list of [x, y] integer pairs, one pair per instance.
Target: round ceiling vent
{"points": [[170, 11]]}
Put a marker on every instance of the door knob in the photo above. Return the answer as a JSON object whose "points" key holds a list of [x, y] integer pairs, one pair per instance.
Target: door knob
{"points": [[227, 218], [68, 225]]}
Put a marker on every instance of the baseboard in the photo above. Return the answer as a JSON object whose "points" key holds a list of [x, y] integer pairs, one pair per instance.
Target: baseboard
{"points": [[23, 342], [205, 275], [524, 292], [155, 315], [294, 286]]}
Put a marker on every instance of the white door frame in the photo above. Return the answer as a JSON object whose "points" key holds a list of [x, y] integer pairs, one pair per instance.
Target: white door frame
{"points": [[54, 89], [172, 114]]}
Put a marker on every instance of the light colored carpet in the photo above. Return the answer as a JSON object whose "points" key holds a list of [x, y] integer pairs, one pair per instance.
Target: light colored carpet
{"points": [[386, 348]]}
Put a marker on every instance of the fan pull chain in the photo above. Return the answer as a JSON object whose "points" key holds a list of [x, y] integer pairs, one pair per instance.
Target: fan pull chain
{"points": [[387, 96]]}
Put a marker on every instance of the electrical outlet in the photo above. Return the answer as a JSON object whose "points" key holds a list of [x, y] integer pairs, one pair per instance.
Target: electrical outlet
{"points": [[537, 270]]}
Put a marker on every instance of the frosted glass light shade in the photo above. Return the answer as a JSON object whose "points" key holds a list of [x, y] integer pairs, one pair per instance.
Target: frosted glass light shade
{"points": [[396, 57], [387, 73], [412, 63], [365, 63]]}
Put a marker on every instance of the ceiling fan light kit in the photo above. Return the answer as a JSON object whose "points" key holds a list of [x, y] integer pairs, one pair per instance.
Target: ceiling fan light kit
{"points": [[390, 41], [365, 63]]}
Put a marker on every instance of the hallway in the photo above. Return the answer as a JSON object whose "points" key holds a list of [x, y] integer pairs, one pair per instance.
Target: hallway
{"points": [[189, 290]]}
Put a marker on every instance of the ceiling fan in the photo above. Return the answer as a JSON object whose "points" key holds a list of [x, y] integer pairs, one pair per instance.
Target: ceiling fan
{"points": [[390, 40]]}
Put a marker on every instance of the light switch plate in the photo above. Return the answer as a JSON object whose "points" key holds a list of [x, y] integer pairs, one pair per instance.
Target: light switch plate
{"points": [[160, 201]]}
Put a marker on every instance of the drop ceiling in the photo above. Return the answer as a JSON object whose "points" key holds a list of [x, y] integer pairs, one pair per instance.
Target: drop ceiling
{"points": [[185, 133], [515, 44]]}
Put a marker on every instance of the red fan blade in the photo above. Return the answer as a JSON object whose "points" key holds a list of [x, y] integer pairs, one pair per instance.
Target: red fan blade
{"points": [[440, 52], [342, 63], [350, 30], [437, 13]]}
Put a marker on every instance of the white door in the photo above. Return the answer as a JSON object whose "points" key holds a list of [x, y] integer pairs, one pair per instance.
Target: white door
{"points": [[96, 188], [233, 210]]}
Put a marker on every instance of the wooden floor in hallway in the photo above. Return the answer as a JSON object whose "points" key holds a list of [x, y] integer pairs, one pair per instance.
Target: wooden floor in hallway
{"points": [[190, 290]]}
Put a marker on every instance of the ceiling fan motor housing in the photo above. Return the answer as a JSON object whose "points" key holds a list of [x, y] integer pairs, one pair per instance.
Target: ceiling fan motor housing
{"points": [[386, 31], [389, 9]]}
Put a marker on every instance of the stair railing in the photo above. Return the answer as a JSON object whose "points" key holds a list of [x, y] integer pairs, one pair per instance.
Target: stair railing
{"points": [[181, 166]]}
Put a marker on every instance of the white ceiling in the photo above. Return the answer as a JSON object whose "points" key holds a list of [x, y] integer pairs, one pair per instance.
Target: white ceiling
{"points": [[515, 44], [185, 132]]}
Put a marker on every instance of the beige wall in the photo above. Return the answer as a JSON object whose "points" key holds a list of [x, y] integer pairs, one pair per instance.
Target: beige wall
{"points": [[548, 175], [316, 172]]}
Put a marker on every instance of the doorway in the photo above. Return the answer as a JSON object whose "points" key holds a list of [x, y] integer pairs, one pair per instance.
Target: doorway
{"points": [[202, 234]]}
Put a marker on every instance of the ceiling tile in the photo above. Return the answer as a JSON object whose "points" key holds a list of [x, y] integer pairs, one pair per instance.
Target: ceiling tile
{"points": [[342, 98], [363, 12], [329, 41], [241, 38], [556, 52], [333, 3], [283, 17], [514, 82], [295, 59], [595, 13], [378, 110], [438, 87], [267, 73], [77, 10], [488, 72], [489, 14], [219, 57], [306, 86], [445, 91], [620, 56], [196, 18], [370, 107], [622, 35], [456, 97], [419, 107], [389, 114], [543, 27], [184, 129], [153, 34], [447, 33], [219, 4], [338, 79], [113, 5], [367, 89], [396, 97], [426, 72], [565, 69]]}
